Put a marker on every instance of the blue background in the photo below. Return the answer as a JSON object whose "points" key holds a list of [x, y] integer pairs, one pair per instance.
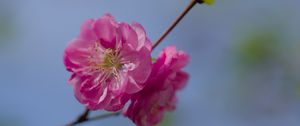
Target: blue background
{"points": [[244, 68]]}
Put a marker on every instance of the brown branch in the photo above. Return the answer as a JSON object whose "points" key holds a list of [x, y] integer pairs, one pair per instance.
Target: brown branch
{"points": [[84, 117], [177, 20], [81, 118]]}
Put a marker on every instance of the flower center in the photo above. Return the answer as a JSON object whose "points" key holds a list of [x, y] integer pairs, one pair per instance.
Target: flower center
{"points": [[111, 60], [106, 62], [110, 65]]}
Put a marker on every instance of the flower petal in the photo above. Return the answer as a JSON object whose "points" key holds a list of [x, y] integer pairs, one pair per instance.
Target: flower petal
{"points": [[117, 85], [143, 40], [86, 31], [129, 36], [75, 56], [105, 29]]}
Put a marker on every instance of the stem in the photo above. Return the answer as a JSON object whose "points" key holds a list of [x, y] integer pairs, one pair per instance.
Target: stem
{"points": [[177, 20], [84, 117], [81, 118]]}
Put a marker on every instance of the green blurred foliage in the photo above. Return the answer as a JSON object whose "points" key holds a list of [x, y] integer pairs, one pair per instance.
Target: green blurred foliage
{"points": [[258, 48], [298, 89], [6, 27], [167, 121], [9, 122]]}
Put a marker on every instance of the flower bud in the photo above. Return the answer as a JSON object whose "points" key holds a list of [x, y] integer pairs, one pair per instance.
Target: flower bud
{"points": [[208, 2]]}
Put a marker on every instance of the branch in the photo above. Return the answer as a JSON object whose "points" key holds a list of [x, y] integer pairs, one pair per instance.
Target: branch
{"points": [[84, 117], [177, 20], [81, 118]]}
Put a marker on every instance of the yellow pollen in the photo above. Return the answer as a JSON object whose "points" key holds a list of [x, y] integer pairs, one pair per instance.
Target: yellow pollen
{"points": [[111, 60]]}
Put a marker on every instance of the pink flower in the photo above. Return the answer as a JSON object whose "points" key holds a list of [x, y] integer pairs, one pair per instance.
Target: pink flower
{"points": [[149, 105], [109, 60]]}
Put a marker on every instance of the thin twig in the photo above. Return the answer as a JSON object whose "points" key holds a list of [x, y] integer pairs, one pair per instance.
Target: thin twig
{"points": [[83, 118], [177, 20]]}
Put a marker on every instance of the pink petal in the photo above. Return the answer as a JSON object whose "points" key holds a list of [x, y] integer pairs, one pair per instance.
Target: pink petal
{"points": [[105, 29], [86, 31], [76, 54], [180, 80], [117, 103], [143, 40], [141, 64], [129, 36], [118, 86]]}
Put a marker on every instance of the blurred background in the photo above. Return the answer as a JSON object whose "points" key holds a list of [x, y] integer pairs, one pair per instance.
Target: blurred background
{"points": [[244, 68]]}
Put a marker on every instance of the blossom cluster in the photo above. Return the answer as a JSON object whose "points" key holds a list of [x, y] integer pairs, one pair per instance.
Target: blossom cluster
{"points": [[111, 65]]}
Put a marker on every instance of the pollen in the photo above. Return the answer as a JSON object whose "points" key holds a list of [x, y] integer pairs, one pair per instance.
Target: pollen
{"points": [[111, 60]]}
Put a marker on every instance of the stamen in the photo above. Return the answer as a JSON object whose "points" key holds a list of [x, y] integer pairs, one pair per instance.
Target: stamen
{"points": [[107, 62]]}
